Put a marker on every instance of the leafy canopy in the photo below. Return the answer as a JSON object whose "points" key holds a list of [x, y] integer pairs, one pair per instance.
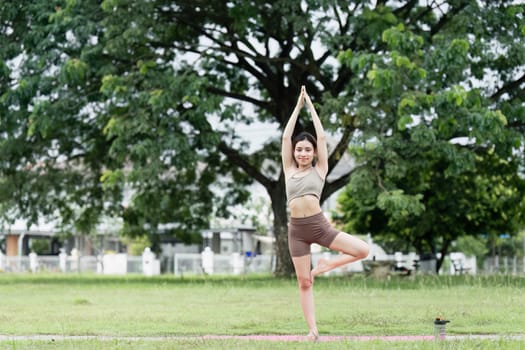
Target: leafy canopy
{"points": [[132, 108]]}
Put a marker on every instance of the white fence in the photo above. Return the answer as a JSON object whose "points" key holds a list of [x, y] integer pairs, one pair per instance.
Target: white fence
{"points": [[235, 264], [80, 264], [119, 264], [104, 264], [504, 265]]}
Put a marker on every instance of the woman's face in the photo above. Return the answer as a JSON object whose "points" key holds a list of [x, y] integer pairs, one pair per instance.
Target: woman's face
{"points": [[304, 153]]}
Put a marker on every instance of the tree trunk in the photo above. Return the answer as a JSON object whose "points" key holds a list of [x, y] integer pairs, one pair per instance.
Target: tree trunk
{"points": [[444, 252], [284, 266]]}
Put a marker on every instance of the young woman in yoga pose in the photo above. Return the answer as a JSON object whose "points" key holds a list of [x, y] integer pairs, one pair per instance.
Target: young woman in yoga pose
{"points": [[305, 164]]}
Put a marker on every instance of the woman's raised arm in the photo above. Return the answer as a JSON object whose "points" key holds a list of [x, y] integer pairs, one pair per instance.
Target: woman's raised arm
{"points": [[286, 149], [322, 149]]}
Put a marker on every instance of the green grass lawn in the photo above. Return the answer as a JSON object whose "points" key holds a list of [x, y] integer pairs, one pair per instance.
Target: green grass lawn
{"points": [[262, 345], [172, 306]]}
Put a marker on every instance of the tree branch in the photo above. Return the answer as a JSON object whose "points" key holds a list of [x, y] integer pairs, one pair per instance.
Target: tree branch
{"points": [[240, 97], [508, 87], [240, 160], [405, 9], [331, 187], [339, 149], [446, 18]]}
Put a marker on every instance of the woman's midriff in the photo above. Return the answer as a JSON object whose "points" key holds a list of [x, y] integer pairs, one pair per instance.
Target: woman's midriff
{"points": [[304, 206]]}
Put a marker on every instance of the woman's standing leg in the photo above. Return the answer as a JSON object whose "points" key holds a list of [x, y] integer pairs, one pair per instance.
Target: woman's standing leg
{"points": [[353, 249], [306, 292]]}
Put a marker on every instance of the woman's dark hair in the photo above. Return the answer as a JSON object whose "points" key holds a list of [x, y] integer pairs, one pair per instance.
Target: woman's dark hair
{"points": [[304, 136]]}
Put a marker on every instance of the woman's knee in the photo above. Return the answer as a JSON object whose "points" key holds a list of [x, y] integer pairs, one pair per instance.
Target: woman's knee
{"points": [[360, 249], [305, 282], [363, 251]]}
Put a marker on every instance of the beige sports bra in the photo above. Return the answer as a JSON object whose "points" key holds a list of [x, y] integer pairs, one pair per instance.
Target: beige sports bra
{"points": [[310, 184]]}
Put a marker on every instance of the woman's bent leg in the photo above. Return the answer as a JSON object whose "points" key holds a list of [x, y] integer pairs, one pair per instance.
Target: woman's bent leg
{"points": [[306, 293], [353, 249]]}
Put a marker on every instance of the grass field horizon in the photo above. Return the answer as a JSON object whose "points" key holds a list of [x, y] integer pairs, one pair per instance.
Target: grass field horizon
{"points": [[169, 306]]}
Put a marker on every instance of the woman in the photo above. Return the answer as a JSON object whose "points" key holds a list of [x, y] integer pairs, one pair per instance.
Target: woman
{"points": [[305, 164]]}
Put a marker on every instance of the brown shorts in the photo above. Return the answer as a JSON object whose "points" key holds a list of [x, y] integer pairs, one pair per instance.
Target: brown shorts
{"points": [[302, 232]]}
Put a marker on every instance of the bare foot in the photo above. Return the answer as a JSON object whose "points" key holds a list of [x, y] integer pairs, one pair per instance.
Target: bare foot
{"points": [[313, 336], [322, 266]]}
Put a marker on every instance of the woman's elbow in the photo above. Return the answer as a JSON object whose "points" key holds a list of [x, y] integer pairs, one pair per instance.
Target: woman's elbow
{"points": [[286, 139]]}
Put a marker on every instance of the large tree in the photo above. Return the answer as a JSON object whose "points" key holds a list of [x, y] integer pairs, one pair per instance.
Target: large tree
{"points": [[147, 95], [449, 165], [76, 142]]}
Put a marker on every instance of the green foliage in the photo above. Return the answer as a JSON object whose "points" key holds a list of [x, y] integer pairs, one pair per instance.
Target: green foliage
{"points": [[137, 245], [507, 245], [398, 206], [132, 109], [40, 245], [472, 246], [419, 185]]}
